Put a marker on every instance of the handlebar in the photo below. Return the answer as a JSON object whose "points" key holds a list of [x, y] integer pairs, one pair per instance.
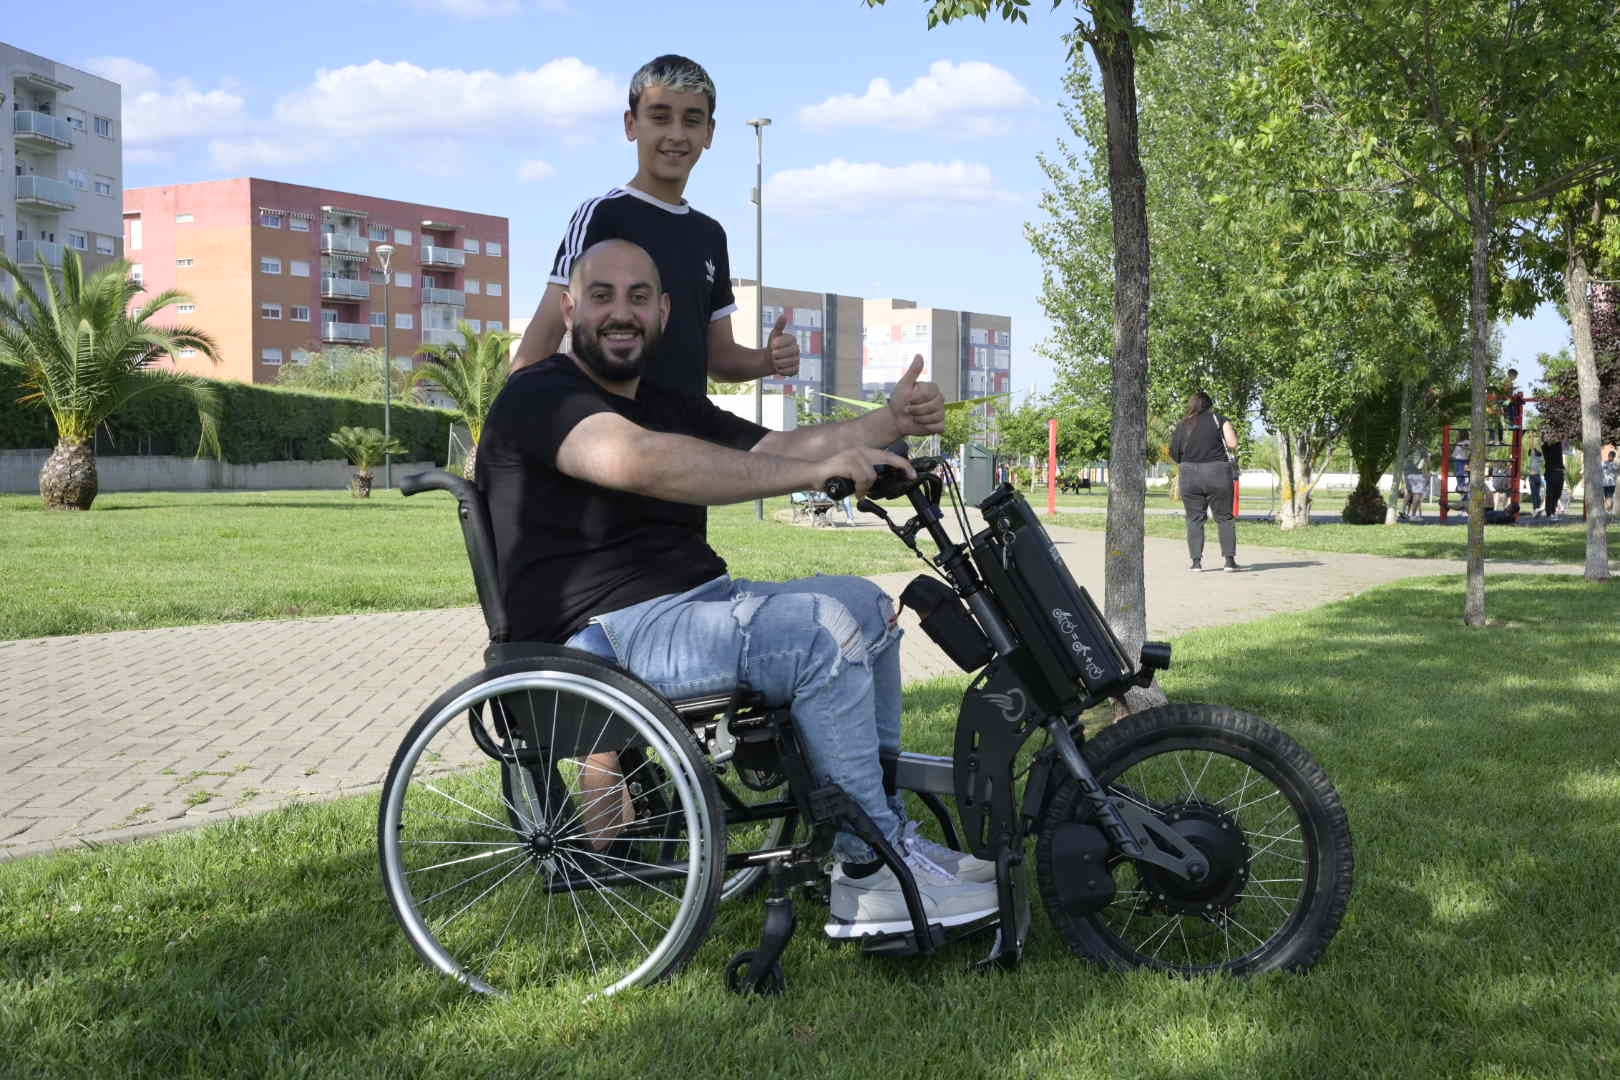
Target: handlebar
{"points": [[891, 483]]}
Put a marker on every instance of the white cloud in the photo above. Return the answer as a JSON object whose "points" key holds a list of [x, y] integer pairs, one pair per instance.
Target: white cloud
{"points": [[534, 169], [380, 98], [159, 109], [242, 155], [472, 9], [847, 187], [972, 97]]}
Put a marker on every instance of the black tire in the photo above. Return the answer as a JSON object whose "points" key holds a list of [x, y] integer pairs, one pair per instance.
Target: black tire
{"points": [[486, 842], [1246, 794]]}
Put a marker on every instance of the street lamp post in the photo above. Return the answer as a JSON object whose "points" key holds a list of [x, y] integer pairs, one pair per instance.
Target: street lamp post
{"points": [[759, 125], [385, 252]]}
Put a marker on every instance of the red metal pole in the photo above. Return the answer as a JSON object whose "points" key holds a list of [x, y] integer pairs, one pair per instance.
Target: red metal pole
{"points": [[1051, 466], [1237, 497]]}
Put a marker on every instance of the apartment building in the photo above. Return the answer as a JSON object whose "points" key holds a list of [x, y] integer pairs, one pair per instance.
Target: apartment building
{"points": [[277, 271], [63, 154], [858, 348]]}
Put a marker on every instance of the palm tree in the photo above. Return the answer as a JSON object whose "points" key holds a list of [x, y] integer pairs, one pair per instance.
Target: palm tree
{"points": [[80, 353], [364, 447], [471, 371]]}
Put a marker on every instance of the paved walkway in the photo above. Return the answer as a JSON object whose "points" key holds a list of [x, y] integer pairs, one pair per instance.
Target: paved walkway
{"points": [[109, 737]]}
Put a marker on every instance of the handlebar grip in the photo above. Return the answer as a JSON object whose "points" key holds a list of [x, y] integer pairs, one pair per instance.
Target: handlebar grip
{"points": [[839, 488]]}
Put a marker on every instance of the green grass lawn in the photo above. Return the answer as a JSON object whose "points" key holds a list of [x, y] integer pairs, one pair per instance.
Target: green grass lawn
{"points": [[1479, 769], [1563, 543], [166, 559]]}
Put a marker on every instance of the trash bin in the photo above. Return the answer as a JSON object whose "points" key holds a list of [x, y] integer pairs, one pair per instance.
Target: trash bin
{"points": [[978, 473]]}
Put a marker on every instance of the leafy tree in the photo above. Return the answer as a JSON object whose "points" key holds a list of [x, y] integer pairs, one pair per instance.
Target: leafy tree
{"points": [[471, 371], [364, 447], [346, 370], [79, 352], [1486, 110]]}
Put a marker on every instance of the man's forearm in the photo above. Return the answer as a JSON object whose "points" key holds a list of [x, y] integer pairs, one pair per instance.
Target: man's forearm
{"points": [[682, 469], [817, 442], [738, 363]]}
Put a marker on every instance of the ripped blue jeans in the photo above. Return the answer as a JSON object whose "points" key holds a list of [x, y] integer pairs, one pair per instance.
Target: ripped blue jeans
{"points": [[826, 646]]}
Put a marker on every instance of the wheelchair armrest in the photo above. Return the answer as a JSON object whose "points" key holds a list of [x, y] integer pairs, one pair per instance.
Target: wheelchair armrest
{"points": [[437, 480]]}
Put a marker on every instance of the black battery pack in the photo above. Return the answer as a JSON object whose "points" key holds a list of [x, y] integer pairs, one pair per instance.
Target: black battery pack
{"points": [[1070, 645]]}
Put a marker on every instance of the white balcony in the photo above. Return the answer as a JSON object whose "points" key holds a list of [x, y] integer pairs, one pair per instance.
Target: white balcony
{"points": [[345, 333], [338, 288], [43, 193], [41, 130], [442, 256], [431, 295], [39, 253], [431, 336], [344, 244]]}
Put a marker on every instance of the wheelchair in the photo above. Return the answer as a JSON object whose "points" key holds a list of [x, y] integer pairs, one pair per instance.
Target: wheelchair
{"points": [[1187, 838]]}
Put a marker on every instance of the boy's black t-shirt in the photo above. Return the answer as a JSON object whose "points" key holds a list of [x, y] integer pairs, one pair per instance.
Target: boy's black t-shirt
{"points": [[567, 549], [689, 249]]}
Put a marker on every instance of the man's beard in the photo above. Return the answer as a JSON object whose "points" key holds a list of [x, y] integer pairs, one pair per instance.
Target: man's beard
{"points": [[588, 348]]}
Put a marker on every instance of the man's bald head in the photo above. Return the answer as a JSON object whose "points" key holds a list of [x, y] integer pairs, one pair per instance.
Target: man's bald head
{"points": [[614, 258]]}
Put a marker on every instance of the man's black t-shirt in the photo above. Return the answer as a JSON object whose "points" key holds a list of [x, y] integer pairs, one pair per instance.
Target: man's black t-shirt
{"points": [[569, 550], [689, 249]]}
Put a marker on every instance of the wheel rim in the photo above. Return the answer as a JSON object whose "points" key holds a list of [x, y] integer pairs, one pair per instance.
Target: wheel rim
{"points": [[1257, 837], [497, 878]]}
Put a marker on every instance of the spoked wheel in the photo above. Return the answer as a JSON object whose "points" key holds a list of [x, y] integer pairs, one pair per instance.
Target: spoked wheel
{"points": [[1254, 803], [511, 856]]}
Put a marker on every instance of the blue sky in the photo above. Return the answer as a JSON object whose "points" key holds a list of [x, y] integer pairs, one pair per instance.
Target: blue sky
{"points": [[918, 187]]}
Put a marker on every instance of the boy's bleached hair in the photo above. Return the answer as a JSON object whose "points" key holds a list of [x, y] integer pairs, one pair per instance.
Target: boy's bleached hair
{"points": [[674, 73]]}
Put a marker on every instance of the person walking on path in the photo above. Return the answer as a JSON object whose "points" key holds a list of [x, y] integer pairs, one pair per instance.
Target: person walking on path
{"points": [[1200, 445]]}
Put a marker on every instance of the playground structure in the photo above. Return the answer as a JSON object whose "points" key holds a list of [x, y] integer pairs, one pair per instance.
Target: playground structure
{"points": [[1506, 453]]}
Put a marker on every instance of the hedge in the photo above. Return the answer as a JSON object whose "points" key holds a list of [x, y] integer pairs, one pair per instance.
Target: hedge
{"points": [[260, 423]]}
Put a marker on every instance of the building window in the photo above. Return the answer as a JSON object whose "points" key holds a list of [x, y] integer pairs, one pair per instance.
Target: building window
{"points": [[182, 219], [477, 325], [269, 264], [104, 245], [378, 234], [296, 223], [404, 320], [377, 277], [403, 363], [185, 262], [135, 234], [470, 246], [79, 179], [104, 127], [269, 311], [298, 267], [271, 356], [495, 324], [137, 273], [185, 309], [492, 289], [472, 287], [491, 248], [402, 278], [270, 219], [402, 236], [77, 240], [378, 319], [298, 313], [104, 185], [300, 356]]}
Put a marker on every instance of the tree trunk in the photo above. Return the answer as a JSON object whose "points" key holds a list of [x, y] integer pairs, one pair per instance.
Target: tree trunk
{"points": [[68, 481], [360, 485], [1124, 587], [1577, 280], [1298, 462], [1479, 217], [472, 460], [1397, 490]]}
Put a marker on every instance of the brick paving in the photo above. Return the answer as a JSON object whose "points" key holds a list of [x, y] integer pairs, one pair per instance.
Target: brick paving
{"points": [[111, 737]]}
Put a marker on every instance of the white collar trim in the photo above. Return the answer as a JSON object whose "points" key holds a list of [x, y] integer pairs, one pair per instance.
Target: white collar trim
{"points": [[673, 208]]}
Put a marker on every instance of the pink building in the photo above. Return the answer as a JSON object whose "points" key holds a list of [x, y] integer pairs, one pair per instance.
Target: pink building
{"points": [[277, 271]]}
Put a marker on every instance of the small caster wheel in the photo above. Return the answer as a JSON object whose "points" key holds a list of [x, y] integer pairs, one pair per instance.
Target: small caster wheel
{"points": [[772, 982]]}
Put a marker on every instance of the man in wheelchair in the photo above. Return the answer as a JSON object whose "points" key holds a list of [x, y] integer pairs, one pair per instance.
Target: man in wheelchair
{"points": [[594, 482]]}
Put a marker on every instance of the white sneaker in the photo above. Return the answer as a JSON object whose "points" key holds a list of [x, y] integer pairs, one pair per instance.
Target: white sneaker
{"points": [[965, 866], [875, 905]]}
